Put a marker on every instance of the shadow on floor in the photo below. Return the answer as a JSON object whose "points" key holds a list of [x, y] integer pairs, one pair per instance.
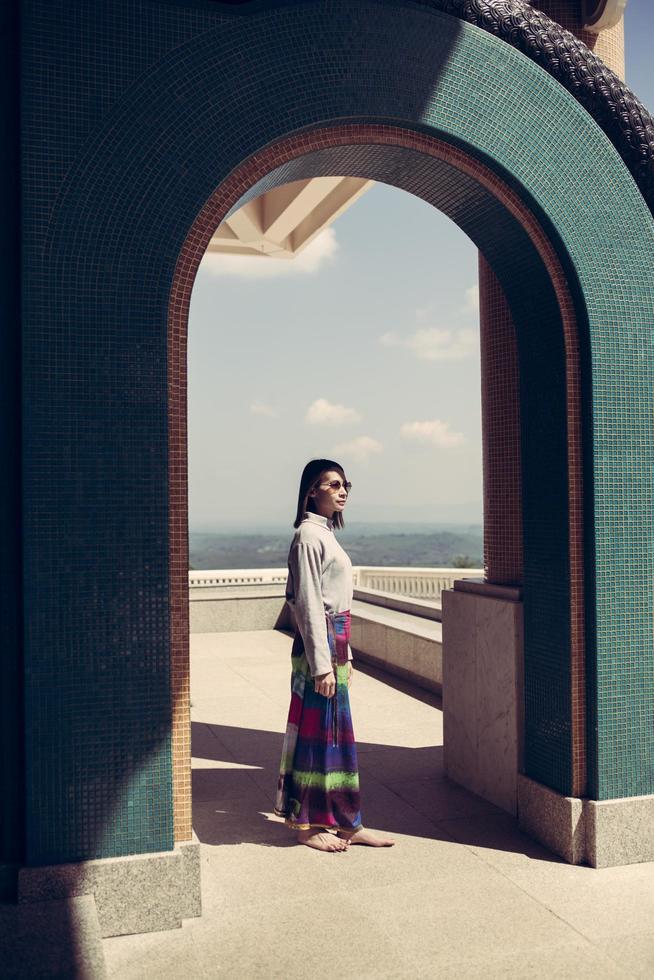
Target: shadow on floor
{"points": [[403, 791]]}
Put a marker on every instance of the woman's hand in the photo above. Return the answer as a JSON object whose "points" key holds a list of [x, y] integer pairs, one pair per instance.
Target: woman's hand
{"points": [[325, 684], [350, 672]]}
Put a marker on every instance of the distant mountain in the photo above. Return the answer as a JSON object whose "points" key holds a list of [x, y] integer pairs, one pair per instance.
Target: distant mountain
{"points": [[426, 545]]}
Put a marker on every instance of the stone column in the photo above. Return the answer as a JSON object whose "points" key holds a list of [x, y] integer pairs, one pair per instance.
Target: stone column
{"points": [[482, 621]]}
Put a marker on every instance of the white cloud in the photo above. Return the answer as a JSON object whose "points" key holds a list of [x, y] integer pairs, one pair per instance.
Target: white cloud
{"points": [[359, 449], [322, 412], [318, 253], [436, 343], [434, 431], [260, 408], [471, 303]]}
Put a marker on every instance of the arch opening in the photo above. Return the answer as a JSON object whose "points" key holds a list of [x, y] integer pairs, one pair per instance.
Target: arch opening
{"points": [[529, 272]]}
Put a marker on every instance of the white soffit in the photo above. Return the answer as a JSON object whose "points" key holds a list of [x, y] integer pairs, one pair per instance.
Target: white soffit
{"points": [[599, 15], [283, 221]]}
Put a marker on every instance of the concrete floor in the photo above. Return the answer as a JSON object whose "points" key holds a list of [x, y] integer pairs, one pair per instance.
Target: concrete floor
{"points": [[463, 893]]}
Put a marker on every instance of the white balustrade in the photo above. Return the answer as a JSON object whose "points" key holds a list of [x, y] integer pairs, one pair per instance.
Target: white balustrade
{"points": [[418, 583], [237, 576]]}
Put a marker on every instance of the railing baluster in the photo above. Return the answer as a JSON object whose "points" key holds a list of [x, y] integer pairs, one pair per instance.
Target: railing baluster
{"points": [[412, 582]]}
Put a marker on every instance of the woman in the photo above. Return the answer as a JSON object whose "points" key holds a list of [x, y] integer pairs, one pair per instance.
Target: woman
{"points": [[318, 788]]}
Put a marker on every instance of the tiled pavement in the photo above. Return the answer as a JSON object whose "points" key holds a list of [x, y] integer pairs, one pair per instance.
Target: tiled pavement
{"points": [[463, 894]]}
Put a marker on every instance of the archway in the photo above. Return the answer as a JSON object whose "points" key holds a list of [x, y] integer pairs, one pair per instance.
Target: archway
{"points": [[413, 96], [525, 262], [524, 246]]}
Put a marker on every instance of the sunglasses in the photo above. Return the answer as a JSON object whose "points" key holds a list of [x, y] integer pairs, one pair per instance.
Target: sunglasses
{"points": [[336, 485]]}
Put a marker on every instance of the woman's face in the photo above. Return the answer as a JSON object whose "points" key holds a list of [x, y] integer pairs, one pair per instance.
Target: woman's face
{"points": [[328, 499]]}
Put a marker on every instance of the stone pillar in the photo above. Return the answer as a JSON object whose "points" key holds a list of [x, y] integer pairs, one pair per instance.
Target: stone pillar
{"points": [[609, 832], [483, 696], [482, 689]]}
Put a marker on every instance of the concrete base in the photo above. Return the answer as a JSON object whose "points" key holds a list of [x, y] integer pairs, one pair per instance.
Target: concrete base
{"points": [[59, 938], [601, 833], [133, 894], [556, 821], [482, 689]]}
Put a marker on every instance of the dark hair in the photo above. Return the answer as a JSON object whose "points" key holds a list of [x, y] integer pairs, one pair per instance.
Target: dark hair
{"points": [[309, 480]]}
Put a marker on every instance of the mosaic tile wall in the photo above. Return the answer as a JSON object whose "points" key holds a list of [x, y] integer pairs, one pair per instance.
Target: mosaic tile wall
{"points": [[500, 397], [11, 720], [96, 575], [134, 113], [501, 432]]}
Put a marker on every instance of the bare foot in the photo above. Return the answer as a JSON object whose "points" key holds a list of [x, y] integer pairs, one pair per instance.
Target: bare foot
{"points": [[365, 836], [322, 840]]}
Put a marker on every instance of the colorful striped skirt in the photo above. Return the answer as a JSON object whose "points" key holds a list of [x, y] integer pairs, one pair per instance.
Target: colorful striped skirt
{"points": [[319, 777]]}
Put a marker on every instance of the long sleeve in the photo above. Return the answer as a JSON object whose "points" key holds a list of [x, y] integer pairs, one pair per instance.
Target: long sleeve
{"points": [[305, 563]]}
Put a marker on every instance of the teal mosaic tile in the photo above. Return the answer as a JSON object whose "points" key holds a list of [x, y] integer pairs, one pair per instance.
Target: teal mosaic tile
{"points": [[133, 113]]}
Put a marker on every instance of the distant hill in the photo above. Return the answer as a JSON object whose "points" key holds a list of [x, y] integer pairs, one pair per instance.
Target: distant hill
{"points": [[373, 544]]}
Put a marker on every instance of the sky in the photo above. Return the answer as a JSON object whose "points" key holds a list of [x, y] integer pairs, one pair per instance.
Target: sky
{"points": [[363, 349]]}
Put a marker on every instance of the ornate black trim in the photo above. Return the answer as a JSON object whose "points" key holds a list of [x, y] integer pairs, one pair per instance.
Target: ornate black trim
{"points": [[610, 102]]}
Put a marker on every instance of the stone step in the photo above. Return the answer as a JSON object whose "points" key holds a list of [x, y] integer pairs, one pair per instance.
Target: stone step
{"points": [[400, 643]]}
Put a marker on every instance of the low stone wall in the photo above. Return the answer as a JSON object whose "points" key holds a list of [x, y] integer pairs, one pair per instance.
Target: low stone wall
{"points": [[398, 635], [257, 608], [402, 644]]}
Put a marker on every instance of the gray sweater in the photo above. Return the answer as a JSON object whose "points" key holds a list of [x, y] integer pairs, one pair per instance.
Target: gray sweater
{"points": [[319, 581]]}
